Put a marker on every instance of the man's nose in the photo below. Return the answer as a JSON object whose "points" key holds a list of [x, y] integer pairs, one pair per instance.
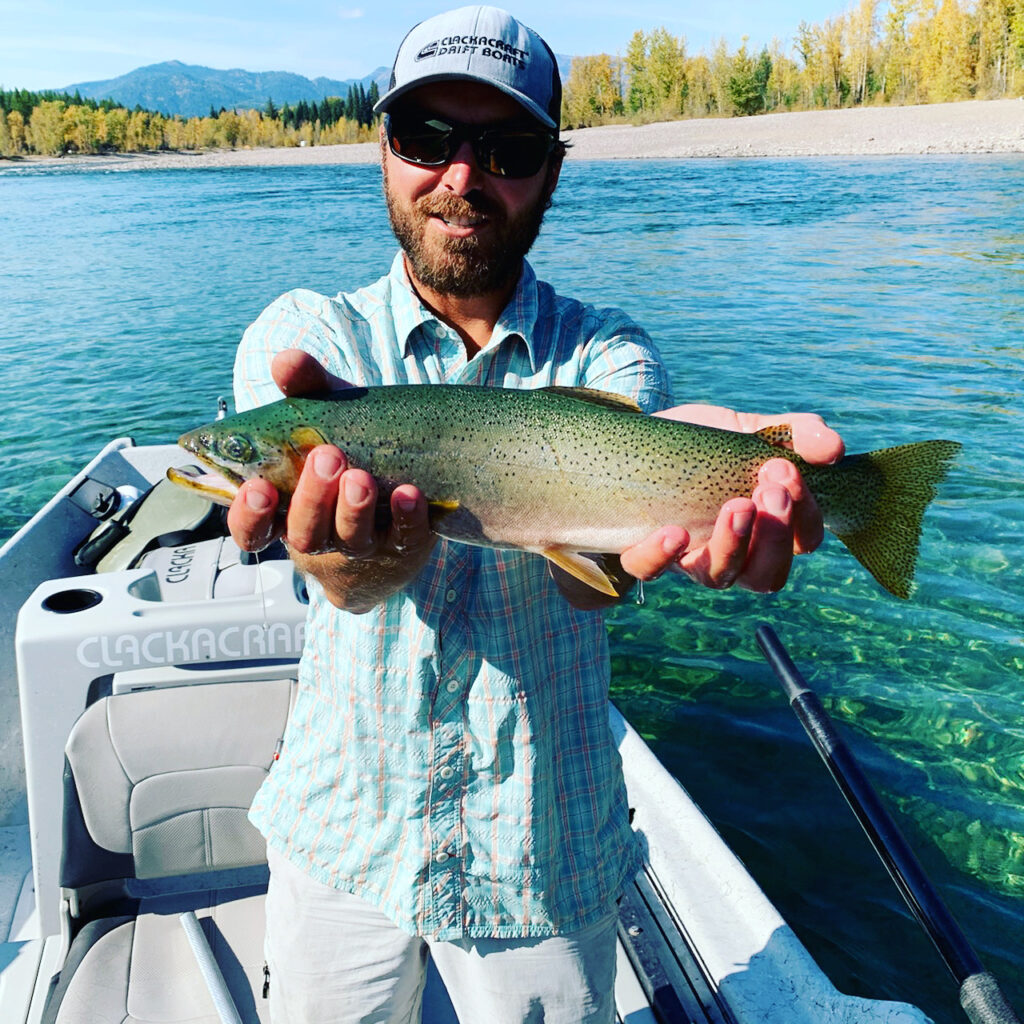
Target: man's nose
{"points": [[463, 174]]}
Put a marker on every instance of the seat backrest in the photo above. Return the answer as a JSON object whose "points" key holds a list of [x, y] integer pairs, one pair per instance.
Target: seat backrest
{"points": [[158, 783]]}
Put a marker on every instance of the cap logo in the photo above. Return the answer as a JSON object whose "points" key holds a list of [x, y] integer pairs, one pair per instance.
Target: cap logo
{"points": [[497, 49]]}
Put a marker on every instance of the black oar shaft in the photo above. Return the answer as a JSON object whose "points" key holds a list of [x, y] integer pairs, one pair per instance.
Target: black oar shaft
{"points": [[900, 861]]}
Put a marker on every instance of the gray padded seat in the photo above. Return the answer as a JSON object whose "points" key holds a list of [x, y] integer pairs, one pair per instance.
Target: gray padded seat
{"points": [[157, 787]]}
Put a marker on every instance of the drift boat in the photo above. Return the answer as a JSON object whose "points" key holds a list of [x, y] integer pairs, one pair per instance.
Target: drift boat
{"points": [[151, 665]]}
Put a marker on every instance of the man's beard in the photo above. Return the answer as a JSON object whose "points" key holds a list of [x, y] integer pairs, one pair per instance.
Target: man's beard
{"points": [[463, 267]]}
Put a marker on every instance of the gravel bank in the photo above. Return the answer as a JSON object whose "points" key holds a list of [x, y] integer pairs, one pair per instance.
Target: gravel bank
{"points": [[992, 126]]}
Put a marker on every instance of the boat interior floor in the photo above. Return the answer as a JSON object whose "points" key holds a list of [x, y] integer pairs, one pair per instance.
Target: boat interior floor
{"points": [[154, 828]]}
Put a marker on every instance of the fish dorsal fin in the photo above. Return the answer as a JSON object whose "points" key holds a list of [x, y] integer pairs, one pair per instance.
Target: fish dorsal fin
{"points": [[582, 568], [778, 435], [605, 398]]}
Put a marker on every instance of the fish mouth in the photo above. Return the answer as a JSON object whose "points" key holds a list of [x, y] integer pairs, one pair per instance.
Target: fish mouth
{"points": [[220, 487]]}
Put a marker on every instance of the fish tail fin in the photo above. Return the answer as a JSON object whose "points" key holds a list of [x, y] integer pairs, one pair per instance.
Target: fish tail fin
{"points": [[904, 481]]}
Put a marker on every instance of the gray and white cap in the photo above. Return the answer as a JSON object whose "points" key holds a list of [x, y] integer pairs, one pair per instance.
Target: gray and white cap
{"points": [[479, 44]]}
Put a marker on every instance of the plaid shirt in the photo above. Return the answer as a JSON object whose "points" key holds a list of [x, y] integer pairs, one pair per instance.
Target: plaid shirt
{"points": [[449, 756]]}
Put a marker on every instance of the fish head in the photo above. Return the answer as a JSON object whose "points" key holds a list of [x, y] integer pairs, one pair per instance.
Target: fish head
{"points": [[241, 447]]}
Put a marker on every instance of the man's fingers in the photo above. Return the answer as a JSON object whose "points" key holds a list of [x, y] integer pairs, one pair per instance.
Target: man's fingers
{"points": [[252, 518], [312, 508], [720, 562], [410, 532], [808, 529], [354, 520], [771, 542], [815, 441], [298, 373], [653, 555]]}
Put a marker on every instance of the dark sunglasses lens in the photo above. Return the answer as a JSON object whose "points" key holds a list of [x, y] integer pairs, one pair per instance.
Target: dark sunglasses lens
{"points": [[511, 154], [506, 153], [419, 143]]}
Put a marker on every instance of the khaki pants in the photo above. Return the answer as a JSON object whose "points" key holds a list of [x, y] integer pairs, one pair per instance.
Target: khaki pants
{"points": [[336, 959]]}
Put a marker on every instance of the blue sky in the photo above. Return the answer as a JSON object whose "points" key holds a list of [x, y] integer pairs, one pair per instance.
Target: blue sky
{"points": [[52, 43]]}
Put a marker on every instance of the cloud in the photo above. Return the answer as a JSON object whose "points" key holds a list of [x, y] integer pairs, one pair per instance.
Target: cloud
{"points": [[350, 13]]}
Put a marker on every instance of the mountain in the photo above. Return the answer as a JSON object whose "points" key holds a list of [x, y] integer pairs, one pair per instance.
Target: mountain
{"points": [[191, 90]]}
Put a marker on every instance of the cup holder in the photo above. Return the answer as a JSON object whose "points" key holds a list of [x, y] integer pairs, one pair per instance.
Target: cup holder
{"points": [[64, 602]]}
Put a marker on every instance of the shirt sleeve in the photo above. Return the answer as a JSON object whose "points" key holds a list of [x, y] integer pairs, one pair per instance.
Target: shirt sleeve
{"points": [[298, 319], [622, 358]]}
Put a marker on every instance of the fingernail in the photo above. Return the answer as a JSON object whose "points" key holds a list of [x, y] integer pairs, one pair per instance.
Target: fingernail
{"points": [[356, 493], [776, 501], [671, 544], [325, 465], [257, 501], [742, 522], [405, 502]]}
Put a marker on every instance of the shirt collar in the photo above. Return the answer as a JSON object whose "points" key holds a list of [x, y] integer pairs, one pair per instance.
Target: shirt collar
{"points": [[518, 320]]}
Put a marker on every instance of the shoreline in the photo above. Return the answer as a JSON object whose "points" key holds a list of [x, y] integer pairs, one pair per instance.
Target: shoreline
{"points": [[968, 127]]}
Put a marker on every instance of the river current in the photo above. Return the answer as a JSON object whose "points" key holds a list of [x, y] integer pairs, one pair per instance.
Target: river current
{"points": [[886, 294]]}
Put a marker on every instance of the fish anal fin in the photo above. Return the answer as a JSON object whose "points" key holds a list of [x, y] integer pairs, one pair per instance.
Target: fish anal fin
{"points": [[582, 568], [596, 397], [439, 508], [778, 435]]}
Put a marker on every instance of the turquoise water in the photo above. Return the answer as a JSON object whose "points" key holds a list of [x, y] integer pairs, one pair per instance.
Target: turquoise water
{"points": [[886, 294]]}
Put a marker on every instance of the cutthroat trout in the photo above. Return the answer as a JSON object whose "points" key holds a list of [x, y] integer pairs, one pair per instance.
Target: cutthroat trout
{"points": [[560, 471]]}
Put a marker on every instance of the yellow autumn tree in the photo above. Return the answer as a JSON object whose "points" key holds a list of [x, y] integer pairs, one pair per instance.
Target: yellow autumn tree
{"points": [[942, 52], [6, 143], [16, 128], [666, 69], [45, 131], [593, 91]]}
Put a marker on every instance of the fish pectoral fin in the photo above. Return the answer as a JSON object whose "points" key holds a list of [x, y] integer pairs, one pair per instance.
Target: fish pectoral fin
{"points": [[582, 568], [595, 397], [305, 439], [779, 435]]}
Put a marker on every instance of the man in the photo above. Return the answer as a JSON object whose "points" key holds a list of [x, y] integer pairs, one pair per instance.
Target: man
{"points": [[448, 781]]}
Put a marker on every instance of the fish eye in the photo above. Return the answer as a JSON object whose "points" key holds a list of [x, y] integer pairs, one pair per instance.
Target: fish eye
{"points": [[236, 447]]}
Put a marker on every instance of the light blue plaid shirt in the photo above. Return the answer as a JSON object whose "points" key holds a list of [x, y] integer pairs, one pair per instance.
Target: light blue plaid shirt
{"points": [[449, 756]]}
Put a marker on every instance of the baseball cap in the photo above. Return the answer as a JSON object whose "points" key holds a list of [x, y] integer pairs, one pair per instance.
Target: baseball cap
{"points": [[479, 44]]}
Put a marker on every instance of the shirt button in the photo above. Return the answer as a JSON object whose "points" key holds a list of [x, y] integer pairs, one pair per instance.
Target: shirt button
{"points": [[450, 596], [452, 686], [441, 857], [447, 772]]}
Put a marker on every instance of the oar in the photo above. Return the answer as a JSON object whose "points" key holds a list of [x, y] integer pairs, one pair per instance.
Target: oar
{"points": [[980, 995]]}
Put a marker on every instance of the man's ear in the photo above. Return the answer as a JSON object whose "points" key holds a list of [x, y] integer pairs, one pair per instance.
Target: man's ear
{"points": [[554, 170]]}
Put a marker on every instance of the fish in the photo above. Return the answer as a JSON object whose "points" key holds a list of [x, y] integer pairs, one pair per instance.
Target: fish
{"points": [[566, 472]]}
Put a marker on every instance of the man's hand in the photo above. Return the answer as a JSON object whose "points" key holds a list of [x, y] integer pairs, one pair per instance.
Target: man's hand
{"points": [[754, 538], [330, 528]]}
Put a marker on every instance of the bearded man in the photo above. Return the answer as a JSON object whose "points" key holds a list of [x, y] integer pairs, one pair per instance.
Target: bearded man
{"points": [[448, 784]]}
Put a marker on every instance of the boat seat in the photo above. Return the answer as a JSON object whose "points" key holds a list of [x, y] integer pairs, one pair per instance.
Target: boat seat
{"points": [[157, 789]]}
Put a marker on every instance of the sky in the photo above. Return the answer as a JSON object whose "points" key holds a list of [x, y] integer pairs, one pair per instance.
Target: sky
{"points": [[48, 44]]}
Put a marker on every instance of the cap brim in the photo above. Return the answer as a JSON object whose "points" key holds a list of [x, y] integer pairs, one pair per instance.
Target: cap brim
{"points": [[399, 91]]}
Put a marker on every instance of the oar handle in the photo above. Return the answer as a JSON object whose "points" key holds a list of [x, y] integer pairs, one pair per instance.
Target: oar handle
{"points": [[980, 995]]}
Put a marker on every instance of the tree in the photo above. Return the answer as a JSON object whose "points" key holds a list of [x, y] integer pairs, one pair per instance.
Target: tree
{"points": [[862, 28], [640, 95], [45, 133], [6, 143], [593, 91], [897, 76], [16, 126], [666, 69], [748, 83], [942, 52]]}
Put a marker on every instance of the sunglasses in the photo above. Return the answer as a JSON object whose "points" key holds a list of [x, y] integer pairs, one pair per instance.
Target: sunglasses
{"points": [[428, 141]]}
